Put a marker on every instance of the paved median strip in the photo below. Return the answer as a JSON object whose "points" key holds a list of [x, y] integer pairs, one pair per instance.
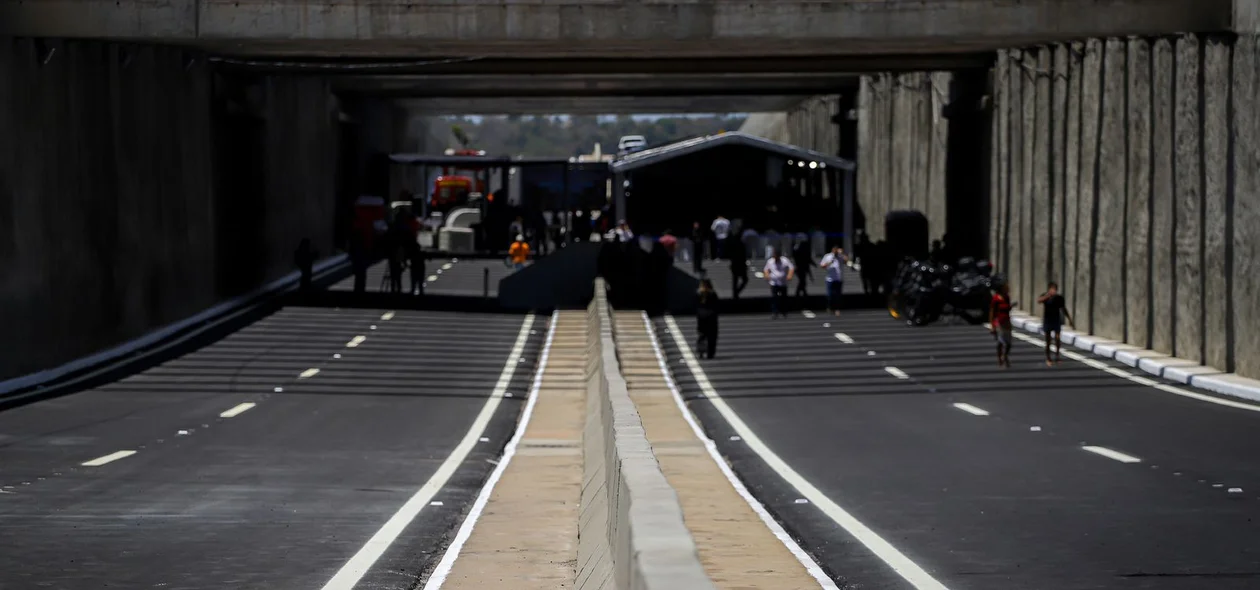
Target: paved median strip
{"points": [[1110, 454], [238, 410], [110, 458]]}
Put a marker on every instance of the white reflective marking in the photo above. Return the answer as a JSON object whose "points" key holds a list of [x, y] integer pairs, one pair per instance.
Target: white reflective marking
{"points": [[895, 372], [808, 314], [337, 355], [278, 390], [1110, 454], [970, 409], [357, 340], [372, 327], [801, 501], [307, 374], [238, 410], [1235, 490], [1035, 429], [907, 569], [435, 503], [389, 315], [353, 571], [841, 336], [110, 458]]}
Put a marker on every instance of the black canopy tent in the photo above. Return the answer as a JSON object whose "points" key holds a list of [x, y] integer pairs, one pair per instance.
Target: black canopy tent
{"points": [[770, 185]]}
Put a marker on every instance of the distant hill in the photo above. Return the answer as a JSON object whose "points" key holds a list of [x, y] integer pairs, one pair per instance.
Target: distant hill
{"points": [[563, 137]]}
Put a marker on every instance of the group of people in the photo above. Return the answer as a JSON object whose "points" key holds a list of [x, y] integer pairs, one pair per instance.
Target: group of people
{"points": [[1054, 312]]}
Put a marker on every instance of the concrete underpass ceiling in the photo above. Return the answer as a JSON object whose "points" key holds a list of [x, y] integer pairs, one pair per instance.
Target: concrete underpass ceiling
{"points": [[596, 93]]}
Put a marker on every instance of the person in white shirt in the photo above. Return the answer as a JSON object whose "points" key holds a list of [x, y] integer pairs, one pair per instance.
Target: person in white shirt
{"points": [[834, 262], [623, 232], [778, 271], [721, 229]]}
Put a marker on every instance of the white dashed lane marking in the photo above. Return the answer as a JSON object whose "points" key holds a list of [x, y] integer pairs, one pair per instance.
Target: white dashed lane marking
{"points": [[841, 336], [307, 374], [357, 340], [238, 410], [970, 409], [895, 372], [110, 458], [1110, 454]]}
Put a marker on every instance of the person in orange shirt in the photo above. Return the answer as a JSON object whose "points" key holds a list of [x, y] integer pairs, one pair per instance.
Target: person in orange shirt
{"points": [[518, 252]]}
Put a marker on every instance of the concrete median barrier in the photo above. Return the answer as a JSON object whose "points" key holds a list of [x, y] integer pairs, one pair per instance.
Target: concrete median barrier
{"points": [[631, 531]]}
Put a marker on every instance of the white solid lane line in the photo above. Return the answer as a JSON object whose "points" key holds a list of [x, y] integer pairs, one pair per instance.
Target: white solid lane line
{"points": [[882, 549], [815, 570], [1110, 454], [357, 340], [307, 374], [1140, 380], [841, 336], [389, 315], [238, 410], [970, 409], [350, 573], [895, 372], [110, 458], [443, 569]]}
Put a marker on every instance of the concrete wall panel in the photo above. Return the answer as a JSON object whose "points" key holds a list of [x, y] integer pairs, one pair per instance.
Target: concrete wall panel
{"points": [[997, 160], [1188, 263], [938, 92], [1072, 182], [1138, 195], [1163, 201], [1058, 171], [1244, 213], [1041, 220], [1216, 92], [1028, 172], [1109, 256], [1087, 212], [865, 148]]}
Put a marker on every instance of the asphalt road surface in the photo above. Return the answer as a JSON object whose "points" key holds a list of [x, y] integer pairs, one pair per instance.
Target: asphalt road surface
{"points": [[281, 494], [1081, 476], [444, 276]]}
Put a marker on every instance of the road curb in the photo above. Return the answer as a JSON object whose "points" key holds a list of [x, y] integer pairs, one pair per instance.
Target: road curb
{"points": [[1184, 371]]}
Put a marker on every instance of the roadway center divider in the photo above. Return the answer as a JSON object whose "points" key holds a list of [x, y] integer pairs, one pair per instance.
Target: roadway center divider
{"points": [[631, 533]]}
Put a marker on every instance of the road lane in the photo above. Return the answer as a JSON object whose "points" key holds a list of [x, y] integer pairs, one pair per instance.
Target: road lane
{"points": [[1008, 500], [280, 496]]}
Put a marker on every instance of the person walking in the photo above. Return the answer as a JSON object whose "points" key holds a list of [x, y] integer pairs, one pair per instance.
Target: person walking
{"points": [[518, 252], [707, 319], [1000, 323], [804, 260], [697, 247], [739, 265], [834, 262], [778, 271], [1055, 311], [721, 229], [416, 256]]}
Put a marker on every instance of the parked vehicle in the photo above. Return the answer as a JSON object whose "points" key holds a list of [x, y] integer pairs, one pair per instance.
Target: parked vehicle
{"points": [[630, 144]]}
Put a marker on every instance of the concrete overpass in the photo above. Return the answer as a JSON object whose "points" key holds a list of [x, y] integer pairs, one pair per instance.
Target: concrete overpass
{"points": [[585, 28]]}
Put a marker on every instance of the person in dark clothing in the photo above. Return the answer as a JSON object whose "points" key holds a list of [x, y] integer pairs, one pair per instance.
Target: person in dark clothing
{"points": [[865, 252], [707, 319], [396, 244], [738, 254], [1052, 321], [304, 258], [416, 256], [697, 247], [804, 261], [360, 255]]}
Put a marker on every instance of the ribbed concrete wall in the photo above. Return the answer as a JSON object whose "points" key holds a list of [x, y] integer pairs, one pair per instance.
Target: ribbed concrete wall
{"points": [[110, 221], [1125, 170], [902, 138]]}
